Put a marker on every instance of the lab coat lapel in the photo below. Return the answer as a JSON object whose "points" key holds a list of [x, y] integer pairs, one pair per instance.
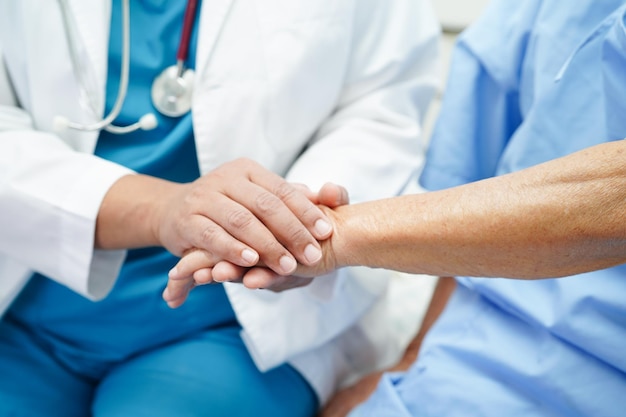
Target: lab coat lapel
{"points": [[92, 21], [213, 14]]}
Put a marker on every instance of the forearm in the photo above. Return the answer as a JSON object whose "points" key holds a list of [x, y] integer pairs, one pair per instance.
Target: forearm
{"points": [[128, 212], [559, 218]]}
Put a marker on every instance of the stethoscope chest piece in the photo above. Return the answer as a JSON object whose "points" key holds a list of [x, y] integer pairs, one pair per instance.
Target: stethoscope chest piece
{"points": [[171, 91]]}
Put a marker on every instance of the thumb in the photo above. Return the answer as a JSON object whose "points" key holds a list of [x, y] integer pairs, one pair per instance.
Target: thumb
{"points": [[333, 195]]}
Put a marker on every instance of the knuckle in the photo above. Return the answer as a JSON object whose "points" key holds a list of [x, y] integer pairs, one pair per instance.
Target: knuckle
{"points": [[298, 234], [217, 175], [240, 219], [240, 164], [272, 251], [246, 161], [267, 203], [209, 235], [309, 211], [285, 191]]}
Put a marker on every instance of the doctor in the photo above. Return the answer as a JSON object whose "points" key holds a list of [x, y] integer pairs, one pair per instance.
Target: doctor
{"points": [[92, 220]]}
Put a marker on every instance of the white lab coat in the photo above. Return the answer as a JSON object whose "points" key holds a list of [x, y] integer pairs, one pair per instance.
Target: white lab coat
{"points": [[326, 90]]}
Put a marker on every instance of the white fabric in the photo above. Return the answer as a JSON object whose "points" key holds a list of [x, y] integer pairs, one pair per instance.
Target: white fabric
{"points": [[338, 86]]}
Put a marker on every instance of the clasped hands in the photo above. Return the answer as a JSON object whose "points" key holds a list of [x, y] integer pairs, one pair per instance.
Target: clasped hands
{"points": [[243, 223]]}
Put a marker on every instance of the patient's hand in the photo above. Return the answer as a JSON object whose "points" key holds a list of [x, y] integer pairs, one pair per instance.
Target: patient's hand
{"points": [[200, 267], [194, 269]]}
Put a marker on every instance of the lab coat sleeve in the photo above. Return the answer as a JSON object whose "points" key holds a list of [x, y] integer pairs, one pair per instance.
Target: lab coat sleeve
{"points": [[371, 144], [49, 200]]}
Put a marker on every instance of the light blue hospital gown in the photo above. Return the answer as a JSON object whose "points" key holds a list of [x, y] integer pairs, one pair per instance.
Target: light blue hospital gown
{"points": [[530, 81]]}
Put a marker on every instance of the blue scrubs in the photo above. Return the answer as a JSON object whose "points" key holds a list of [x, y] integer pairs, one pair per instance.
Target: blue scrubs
{"points": [[129, 354], [530, 81]]}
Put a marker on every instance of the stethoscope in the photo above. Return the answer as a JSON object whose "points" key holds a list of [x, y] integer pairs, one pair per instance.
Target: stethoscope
{"points": [[171, 90]]}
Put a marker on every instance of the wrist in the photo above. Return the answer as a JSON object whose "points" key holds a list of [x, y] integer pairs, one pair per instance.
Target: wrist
{"points": [[131, 213], [351, 239], [339, 245], [158, 209]]}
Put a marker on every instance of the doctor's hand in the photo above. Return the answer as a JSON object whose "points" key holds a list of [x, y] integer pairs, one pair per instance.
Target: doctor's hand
{"points": [[330, 197], [200, 267], [240, 212]]}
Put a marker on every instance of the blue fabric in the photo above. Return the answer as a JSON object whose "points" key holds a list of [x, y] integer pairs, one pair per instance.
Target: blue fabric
{"points": [[169, 150], [529, 82], [130, 354], [209, 374]]}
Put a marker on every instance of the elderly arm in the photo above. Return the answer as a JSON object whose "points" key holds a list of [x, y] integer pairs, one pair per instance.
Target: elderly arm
{"points": [[558, 218]]}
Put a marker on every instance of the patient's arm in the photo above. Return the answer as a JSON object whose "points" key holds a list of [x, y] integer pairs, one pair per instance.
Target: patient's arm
{"points": [[347, 398], [556, 219], [559, 218]]}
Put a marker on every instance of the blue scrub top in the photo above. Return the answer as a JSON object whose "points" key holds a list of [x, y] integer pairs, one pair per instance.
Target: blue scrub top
{"points": [[90, 336], [530, 81]]}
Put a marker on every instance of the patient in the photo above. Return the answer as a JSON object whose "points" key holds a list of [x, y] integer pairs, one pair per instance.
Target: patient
{"points": [[530, 82]]}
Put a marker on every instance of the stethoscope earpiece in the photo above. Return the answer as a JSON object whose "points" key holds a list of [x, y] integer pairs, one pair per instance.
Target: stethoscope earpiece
{"points": [[148, 122], [60, 124]]}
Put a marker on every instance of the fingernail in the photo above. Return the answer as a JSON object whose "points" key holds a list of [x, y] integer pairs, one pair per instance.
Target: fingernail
{"points": [[312, 254], [344, 196], [322, 227], [166, 294], [287, 264], [173, 273], [250, 256]]}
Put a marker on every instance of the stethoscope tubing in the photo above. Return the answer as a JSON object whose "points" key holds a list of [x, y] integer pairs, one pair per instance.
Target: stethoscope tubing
{"points": [[185, 38], [148, 121], [106, 122]]}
